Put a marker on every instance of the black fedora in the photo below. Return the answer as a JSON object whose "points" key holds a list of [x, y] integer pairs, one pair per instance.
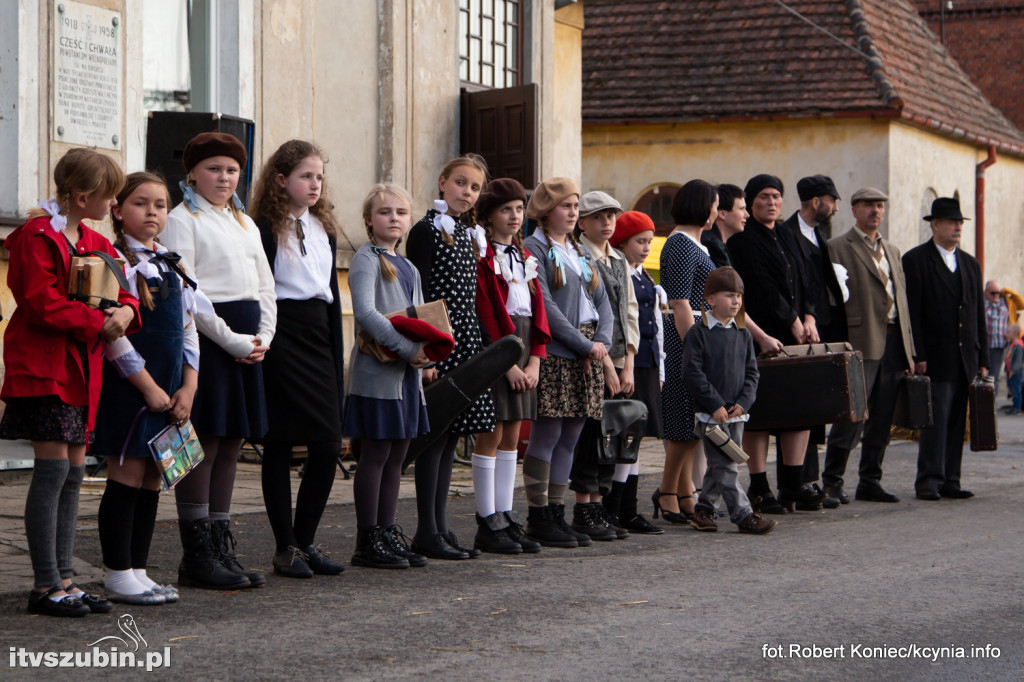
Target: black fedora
{"points": [[947, 208]]}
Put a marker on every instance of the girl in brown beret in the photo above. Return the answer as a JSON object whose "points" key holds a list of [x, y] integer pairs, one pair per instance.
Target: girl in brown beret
{"points": [[220, 248]]}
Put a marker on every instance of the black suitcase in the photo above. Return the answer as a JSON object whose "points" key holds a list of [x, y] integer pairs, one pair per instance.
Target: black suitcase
{"points": [[914, 403], [802, 386], [981, 397]]}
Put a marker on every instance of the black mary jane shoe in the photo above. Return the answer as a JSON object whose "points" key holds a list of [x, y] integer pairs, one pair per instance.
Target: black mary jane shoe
{"points": [[449, 537], [321, 563], [291, 563], [68, 607], [435, 547], [96, 603]]}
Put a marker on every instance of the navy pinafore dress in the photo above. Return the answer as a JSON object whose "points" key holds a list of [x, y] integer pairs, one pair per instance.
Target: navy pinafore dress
{"points": [[161, 344]]}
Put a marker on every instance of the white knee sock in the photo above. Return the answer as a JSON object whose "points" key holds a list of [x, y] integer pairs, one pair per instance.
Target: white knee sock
{"points": [[123, 582], [621, 472], [483, 484], [504, 479]]}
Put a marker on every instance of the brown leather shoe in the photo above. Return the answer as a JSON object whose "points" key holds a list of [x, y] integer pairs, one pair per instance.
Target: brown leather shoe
{"points": [[755, 524], [703, 520]]}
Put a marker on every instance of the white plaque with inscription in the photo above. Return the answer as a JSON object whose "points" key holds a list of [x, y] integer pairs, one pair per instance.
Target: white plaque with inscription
{"points": [[87, 92]]}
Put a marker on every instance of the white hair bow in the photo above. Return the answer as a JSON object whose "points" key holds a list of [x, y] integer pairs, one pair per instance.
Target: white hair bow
{"points": [[478, 235], [57, 221], [531, 266]]}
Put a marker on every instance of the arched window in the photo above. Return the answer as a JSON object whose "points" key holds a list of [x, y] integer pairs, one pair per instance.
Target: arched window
{"points": [[656, 202]]}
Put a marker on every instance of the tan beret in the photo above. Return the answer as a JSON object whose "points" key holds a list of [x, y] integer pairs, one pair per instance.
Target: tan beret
{"points": [[549, 194]]}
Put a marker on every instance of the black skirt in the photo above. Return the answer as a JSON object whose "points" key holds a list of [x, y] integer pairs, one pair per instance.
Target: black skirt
{"points": [[229, 399], [648, 391], [303, 405], [508, 404]]}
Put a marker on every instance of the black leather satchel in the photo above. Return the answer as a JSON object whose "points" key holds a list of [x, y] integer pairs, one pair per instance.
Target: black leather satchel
{"points": [[623, 424]]}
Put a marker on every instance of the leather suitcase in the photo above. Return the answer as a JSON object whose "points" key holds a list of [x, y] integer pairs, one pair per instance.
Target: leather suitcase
{"points": [[802, 386], [914, 403], [981, 397]]}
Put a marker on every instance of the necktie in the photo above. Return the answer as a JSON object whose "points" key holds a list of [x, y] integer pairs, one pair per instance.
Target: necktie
{"points": [[301, 235]]}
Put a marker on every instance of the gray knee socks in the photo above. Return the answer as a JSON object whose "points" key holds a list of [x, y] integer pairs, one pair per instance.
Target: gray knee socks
{"points": [[67, 519], [41, 506]]}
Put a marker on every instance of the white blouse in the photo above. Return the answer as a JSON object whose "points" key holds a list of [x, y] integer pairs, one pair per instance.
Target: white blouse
{"points": [[228, 262], [302, 277], [518, 302]]}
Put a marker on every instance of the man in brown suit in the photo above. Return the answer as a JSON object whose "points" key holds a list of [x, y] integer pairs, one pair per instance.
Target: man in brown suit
{"points": [[878, 320]]}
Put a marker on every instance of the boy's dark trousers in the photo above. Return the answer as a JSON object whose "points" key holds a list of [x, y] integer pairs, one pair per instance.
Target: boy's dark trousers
{"points": [[588, 475]]}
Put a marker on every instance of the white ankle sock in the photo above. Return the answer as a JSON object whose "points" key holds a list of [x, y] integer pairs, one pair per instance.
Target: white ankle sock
{"points": [[140, 575], [483, 484], [123, 582], [504, 479]]}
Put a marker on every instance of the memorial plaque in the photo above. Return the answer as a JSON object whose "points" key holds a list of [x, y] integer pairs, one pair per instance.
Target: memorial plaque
{"points": [[87, 91]]}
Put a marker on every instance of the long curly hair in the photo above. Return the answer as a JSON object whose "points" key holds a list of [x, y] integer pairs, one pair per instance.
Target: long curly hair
{"points": [[134, 181], [270, 201]]}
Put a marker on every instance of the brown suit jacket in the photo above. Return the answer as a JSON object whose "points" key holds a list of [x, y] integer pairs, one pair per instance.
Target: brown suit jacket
{"points": [[866, 311]]}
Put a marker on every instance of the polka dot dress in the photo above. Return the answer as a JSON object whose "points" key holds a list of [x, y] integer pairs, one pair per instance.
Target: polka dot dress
{"points": [[684, 267], [453, 278]]}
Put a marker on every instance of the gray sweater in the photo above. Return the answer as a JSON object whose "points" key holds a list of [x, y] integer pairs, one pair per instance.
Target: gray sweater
{"points": [[372, 297], [562, 306], [719, 367]]}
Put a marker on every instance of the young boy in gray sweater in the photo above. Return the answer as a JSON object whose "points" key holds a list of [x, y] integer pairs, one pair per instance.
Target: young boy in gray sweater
{"points": [[720, 372]]}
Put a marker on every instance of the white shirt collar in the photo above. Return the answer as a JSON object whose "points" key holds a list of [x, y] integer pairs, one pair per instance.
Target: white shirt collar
{"points": [[695, 241], [135, 245], [807, 230], [711, 321], [596, 252], [304, 217]]}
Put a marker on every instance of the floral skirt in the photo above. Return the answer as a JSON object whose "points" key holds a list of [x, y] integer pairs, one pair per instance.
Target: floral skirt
{"points": [[567, 389], [42, 418]]}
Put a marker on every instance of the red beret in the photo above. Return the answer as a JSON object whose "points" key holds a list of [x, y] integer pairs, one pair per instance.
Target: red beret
{"points": [[205, 145], [629, 224], [439, 345]]}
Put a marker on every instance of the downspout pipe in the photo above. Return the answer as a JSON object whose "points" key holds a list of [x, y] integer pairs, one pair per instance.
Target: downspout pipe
{"points": [[979, 206]]}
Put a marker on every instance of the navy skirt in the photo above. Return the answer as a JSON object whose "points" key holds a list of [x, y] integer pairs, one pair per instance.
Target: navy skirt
{"points": [[229, 399], [383, 419]]}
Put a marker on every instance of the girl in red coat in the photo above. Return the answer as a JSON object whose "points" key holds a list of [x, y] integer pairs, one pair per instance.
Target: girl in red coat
{"points": [[508, 301], [53, 352]]}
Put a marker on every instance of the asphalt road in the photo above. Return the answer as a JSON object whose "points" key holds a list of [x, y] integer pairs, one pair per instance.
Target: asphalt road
{"points": [[679, 606]]}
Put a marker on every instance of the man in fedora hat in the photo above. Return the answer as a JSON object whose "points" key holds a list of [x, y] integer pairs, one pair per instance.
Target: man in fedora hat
{"points": [[947, 315], [878, 319]]}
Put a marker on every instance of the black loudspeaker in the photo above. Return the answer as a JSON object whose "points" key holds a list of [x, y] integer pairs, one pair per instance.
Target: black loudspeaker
{"points": [[168, 133]]}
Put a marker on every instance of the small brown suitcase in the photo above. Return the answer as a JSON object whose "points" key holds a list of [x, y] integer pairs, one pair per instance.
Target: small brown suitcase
{"points": [[802, 386], [914, 402], [981, 397]]}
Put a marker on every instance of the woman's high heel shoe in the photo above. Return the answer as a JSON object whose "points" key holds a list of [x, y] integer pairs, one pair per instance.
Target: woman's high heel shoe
{"points": [[670, 516], [687, 515]]}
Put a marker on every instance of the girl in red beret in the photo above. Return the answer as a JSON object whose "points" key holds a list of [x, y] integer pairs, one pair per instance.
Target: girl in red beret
{"points": [[220, 248], [384, 404], [304, 379], [633, 234], [445, 246], [53, 354], [508, 301]]}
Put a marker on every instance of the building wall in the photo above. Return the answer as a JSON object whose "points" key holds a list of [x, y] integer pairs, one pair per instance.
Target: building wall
{"points": [[567, 93], [625, 161]]}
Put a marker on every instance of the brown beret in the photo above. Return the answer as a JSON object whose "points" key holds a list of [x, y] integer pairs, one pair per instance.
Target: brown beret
{"points": [[205, 145], [723, 279], [549, 194], [499, 192]]}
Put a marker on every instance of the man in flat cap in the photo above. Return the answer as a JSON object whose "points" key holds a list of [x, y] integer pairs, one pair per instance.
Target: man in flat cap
{"points": [[878, 318], [810, 228], [947, 314]]}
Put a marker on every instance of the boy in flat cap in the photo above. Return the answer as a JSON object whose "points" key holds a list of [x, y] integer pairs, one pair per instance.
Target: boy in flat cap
{"points": [[720, 372]]}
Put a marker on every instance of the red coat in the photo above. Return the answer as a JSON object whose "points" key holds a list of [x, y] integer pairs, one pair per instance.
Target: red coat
{"points": [[40, 354], [491, 295]]}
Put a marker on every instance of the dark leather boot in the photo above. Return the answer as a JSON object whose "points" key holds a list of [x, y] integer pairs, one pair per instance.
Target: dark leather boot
{"points": [[224, 542], [586, 520], [200, 563], [516, 531], [542, 528], [558, 513], [399, 545], [373, 550], [492, 535], [602, 515]]}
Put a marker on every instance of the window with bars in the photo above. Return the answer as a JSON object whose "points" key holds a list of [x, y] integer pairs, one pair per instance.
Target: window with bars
{"points": [[490, 42]]}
